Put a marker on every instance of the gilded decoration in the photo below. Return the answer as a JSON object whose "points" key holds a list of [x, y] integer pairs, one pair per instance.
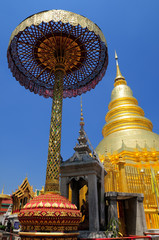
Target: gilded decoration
{"points": [[60, 213], [54, 238], [48, 205], [56, 16], [49, 228], [55, 205]]}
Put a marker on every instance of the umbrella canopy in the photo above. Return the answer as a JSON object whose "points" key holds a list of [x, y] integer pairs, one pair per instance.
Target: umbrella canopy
{"points": [[48, 38]]}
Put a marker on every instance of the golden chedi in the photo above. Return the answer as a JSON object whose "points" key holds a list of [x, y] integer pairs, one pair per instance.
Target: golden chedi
{"points": [[130, 149]]}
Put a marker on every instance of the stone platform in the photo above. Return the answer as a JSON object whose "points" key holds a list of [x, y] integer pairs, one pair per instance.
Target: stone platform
{"points": [[88, 234]]}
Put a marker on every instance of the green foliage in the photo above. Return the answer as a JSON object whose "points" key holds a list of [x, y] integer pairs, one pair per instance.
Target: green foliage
{"points": [[2, 227], [113, 229]]}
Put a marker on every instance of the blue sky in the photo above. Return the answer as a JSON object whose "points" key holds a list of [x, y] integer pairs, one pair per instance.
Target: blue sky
{"points": [[130, 27]]}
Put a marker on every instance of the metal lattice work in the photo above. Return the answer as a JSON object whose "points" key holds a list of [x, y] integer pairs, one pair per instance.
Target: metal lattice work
{"points": [[35, 51], [53, 161]]}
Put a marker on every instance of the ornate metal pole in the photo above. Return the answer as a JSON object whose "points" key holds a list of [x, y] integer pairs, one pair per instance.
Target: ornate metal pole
{"points": [[55, 54], [53, 161]]}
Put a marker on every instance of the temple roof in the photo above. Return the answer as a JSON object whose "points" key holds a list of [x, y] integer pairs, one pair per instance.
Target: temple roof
{"points": [[4, 196], [22, 188], [82, 146], [82, 149], [125, 121]]}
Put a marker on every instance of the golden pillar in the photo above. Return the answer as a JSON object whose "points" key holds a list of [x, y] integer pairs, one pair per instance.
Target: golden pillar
{"points": [[108, 181], [53, 162], [122, 176]]}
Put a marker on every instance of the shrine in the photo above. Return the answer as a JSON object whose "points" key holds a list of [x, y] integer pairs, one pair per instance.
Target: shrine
{"points": [[84, 169]]}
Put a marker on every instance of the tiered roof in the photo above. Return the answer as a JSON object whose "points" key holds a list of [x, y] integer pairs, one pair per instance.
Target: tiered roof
{"points": [[125, 122], [22, 188]]}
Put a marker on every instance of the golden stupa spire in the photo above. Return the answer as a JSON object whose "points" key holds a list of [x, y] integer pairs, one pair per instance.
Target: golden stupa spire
{"points": [[126, 121], [124, 113], [2, 190], [81, 119], [119, 78]]}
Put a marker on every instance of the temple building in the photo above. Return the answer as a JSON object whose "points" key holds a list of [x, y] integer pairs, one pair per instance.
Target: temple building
{"points": [[10, 205], [82, 181], [5, 202], [22, 195], [130, 149]]}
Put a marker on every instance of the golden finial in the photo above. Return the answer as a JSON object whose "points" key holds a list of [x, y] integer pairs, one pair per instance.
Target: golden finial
{"points": [[3, 189], [82, 119], [119, 78]]}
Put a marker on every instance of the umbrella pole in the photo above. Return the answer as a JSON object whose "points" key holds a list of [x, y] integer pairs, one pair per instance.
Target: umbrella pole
{"points": [[53, 161]]}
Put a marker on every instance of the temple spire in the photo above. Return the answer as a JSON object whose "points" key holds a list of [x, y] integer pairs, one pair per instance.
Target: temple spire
{"points": [[82, 146], [81, 119], [119, 78]]}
